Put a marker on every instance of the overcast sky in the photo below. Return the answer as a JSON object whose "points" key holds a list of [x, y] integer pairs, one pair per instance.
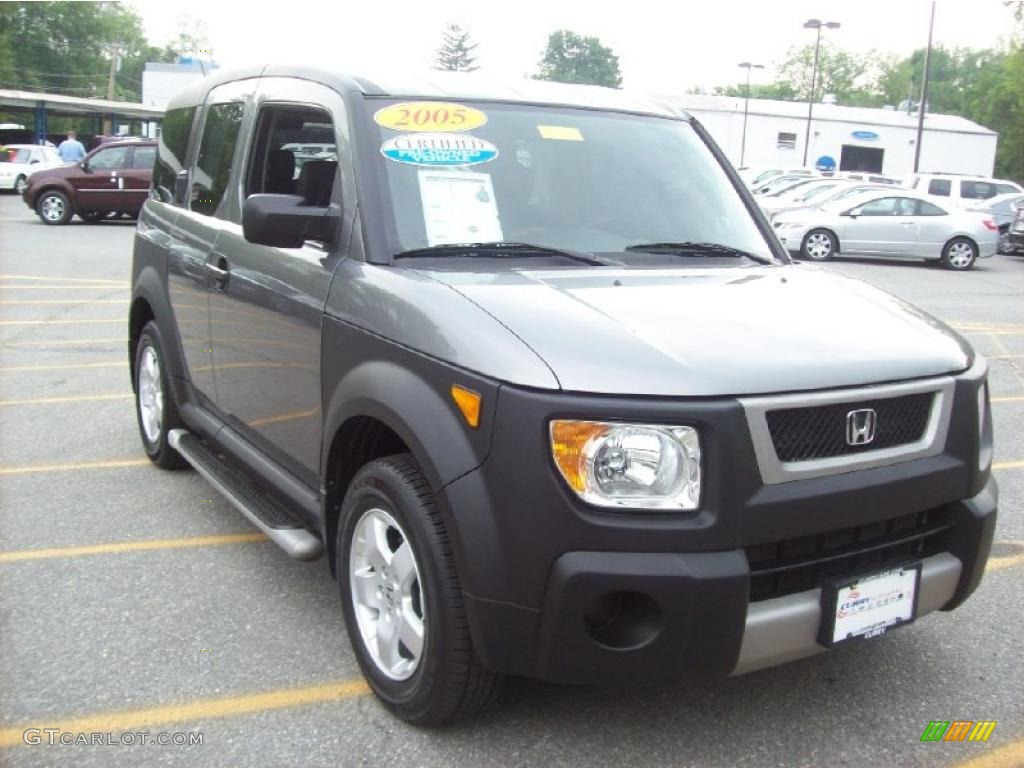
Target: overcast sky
{"points": [[662, 46]]}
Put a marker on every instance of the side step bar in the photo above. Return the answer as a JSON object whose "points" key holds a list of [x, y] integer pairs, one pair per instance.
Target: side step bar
{"points": [[265, 514]]}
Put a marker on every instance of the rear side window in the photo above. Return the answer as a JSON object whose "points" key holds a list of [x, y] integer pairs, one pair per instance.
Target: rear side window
{"points": [[924, 208], [940, 187], [1005, 189], [977, 190], [143, 157], [216, 150], [170, 158]]}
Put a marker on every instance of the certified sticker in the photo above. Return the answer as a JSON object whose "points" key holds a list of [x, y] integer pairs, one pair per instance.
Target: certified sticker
{"points": [[430, 116], [438, 149]]}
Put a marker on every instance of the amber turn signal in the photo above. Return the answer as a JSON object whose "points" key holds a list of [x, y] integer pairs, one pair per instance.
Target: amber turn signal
{"points": [[469, 403]]}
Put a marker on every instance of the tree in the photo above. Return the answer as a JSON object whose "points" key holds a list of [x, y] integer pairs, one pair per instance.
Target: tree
{"points": [[572, 58], [456, 52], [67, 47], [848, 76]]}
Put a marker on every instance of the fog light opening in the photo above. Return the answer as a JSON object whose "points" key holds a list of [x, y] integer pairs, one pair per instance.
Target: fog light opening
{"points": [[623, 621]]}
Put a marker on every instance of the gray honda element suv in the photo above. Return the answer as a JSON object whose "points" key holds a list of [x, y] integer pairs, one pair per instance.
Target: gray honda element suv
{"points": [[530, 368]]}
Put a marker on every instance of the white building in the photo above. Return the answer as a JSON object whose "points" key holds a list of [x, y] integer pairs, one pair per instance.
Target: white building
{"points": [[855, 138], [161, 82]]}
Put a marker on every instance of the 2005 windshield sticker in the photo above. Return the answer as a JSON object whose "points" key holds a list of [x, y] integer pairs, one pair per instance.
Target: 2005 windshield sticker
{"points": [[429, 117], [438, 149]]}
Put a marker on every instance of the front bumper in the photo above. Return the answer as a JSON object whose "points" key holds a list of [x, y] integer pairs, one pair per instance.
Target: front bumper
{"points": [[689, 616], [557, 590]]}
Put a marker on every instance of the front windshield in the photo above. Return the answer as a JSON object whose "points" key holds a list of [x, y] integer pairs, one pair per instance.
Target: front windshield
{"points": [[815, 193], [575, 180]]}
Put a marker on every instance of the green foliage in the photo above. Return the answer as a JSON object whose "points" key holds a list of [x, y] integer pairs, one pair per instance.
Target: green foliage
{"points": [[456, 52], [572, 58], [67, 47]]}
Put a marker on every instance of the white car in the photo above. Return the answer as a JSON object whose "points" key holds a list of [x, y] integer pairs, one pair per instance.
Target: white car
{"points": [[755, 176], [961, 190], [889, 223], [19, 161]]}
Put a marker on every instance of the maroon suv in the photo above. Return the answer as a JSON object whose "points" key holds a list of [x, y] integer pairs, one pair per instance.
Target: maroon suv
{"points": [[112, 179]]}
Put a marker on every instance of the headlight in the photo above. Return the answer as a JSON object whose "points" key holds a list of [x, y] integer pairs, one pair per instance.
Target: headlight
{"points": [[645, 466]]}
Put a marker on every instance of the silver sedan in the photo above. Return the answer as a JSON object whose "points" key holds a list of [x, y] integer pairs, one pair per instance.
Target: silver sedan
{"points": [[889, 223]]}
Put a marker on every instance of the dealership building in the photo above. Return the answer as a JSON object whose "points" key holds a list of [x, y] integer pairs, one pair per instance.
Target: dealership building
{"points": [[843, 138]]}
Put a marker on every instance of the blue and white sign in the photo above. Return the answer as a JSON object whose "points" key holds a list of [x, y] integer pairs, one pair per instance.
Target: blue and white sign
{"points": [[865, 135], [438, 149], [825, 163]]}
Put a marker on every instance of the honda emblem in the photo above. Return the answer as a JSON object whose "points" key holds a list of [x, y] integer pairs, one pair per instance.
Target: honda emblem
{"points": [[860, 426]]}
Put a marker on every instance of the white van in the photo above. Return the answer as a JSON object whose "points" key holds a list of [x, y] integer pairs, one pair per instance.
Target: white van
{"points": [[960, 190]]}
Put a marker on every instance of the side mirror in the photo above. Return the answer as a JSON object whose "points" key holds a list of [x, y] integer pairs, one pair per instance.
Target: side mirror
{"points": [[283, 221], [853, 213], [33, 162]]}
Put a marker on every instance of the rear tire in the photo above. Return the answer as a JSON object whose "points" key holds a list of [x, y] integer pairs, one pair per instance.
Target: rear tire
{"points": [[53, 207], [155, 409], [437, 678], [819, 245], [19, 184], [959, 254], [93, 217]]}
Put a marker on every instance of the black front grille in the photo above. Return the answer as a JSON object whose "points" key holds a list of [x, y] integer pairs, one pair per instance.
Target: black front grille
{"points": [[819, 432], [795, 565]]}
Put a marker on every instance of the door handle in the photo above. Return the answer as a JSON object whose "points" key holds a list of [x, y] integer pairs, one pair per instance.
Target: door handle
{"points": [[217, 267]]}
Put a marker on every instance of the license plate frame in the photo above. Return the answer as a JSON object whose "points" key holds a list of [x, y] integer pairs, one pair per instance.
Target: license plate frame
{"points": [[875, 582]]}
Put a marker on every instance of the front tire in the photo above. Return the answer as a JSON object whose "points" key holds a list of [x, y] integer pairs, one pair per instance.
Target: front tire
{"points": [[155, 409], [819, 245], [19, 184], [53, 207], [402, 601], [959, 254]]}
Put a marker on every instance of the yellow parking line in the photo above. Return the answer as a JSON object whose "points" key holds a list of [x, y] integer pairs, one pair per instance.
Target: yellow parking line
{"points": [[58, 400], [83, 321], [56, 287], [87, 280], [62, 367], [1010, 756], [203, 709], [130, 546], [293, 416], [998, 563], [1008, 465], [62, 342], [63, 302], [33, 469], [1007, 399]]}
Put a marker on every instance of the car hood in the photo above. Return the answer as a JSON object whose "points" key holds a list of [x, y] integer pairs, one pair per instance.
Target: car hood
{"points": [[713, 331]]}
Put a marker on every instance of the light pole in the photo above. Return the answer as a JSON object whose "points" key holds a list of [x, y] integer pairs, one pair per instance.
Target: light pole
{"points": [[924, 93], [746, 107], [814, 24]]}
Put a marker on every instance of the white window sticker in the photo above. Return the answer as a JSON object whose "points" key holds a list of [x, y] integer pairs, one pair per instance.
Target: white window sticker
{"points": [[459, 207]]}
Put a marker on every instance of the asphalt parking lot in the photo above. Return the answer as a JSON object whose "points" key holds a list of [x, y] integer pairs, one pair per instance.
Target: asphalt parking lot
{"points": [[138, 601]]}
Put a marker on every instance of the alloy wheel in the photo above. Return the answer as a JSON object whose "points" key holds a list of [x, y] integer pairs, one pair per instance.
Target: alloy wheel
{"points": [[819, 245], [387, 594], [53, 208], [151, 396], [961, 255]]}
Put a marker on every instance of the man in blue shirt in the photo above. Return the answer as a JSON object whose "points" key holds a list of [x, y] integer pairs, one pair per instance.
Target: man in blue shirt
{"points": [[71, 149]]}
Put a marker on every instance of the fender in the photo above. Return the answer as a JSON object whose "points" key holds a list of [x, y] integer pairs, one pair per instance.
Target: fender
{"points": [[416, 406]]}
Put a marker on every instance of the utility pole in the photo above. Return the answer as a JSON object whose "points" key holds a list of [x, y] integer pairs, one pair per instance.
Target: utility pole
{"points": [[924, 92], [107, 123], [814, 24], [746, 108]]}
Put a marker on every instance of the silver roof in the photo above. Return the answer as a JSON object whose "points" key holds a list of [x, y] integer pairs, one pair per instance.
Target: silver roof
{"points": [[434, 84]]}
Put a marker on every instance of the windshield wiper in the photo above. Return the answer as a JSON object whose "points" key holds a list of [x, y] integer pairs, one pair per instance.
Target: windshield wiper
{"points": [[500, 250], [687, 248]]}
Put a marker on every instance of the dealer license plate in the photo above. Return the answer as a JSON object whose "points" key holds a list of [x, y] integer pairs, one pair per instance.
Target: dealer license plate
{"points": [[871, 605]]}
